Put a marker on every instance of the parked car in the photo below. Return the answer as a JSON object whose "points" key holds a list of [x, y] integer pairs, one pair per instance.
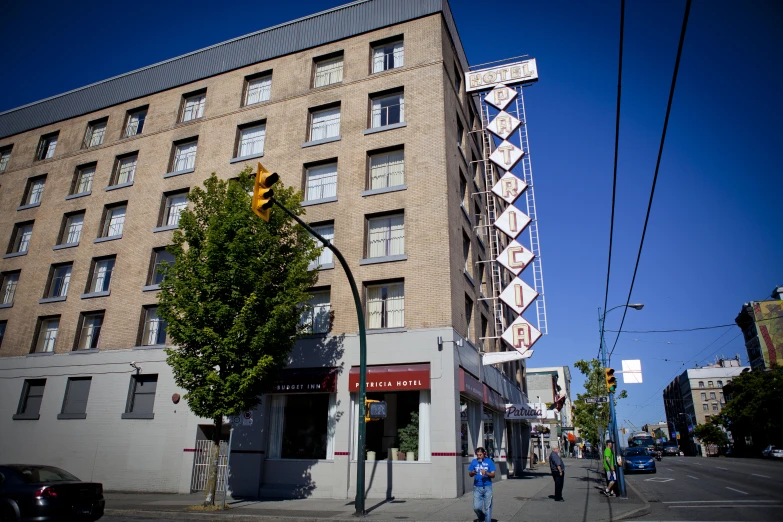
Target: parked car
{"points": [[46, 493], [638, 459], [671, 450], [772, 452]]}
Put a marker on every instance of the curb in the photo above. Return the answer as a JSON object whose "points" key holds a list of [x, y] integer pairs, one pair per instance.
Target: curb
{"points": [[638, 512], [215, 516]]}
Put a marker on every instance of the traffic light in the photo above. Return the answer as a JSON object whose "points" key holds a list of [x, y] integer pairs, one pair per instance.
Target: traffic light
{"points": [[262, 192], [374, 410], [611, 380]]}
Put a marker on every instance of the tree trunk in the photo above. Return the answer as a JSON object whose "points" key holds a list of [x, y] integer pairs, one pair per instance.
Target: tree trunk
{"points": [[213, 464]]}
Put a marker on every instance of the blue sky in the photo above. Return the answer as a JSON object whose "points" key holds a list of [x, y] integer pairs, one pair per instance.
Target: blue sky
{"points": [[715, 238]]}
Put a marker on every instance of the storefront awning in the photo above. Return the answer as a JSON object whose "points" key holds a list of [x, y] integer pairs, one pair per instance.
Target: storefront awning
{"points": [[571, 437], [493, 400], [306, 380], [470, 387], [394, 377]]}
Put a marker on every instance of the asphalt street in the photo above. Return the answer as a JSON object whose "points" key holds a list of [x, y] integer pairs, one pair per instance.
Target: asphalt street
{"points": [[712, 489]]}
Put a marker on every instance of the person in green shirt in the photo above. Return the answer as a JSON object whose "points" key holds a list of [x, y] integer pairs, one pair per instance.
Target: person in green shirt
{"points": [[611, 476]]}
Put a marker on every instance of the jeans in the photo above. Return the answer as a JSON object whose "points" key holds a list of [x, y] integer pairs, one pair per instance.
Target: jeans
{"points": [[559, 479], [482, 502]]}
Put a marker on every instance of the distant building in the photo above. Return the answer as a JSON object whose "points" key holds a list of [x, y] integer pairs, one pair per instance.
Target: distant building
{"points": [[762, 327], [547, 385], [695, 396], [658, 431]]}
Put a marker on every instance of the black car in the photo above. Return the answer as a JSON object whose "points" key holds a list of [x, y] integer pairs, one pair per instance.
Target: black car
{"points": [[670, 449], [46, 493]]}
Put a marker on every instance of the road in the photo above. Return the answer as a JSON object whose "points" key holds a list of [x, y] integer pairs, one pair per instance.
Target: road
{"points": [[714, 489]]}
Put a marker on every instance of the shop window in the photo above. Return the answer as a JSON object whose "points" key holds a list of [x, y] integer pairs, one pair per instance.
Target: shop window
{"points": [[404, 408], [302, 426]]}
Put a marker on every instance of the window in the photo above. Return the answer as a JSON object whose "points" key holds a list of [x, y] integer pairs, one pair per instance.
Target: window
{"points": [[113, 220], [141, 397], [463, 193], [712, 395], [46, 334], [20, 239], [300, 426], [258, 88], [251, 140], [96, 130], [386, 306], [100, 275], [8, 288], [387, 169], [720, 384], [386, 236], [482, 277], [82, 181], [715, 407], [2, 332], [483, 341], [387, 110], [722, 400], [134, 122], [75, 401], [469, 316], [154, 328], [328, 71], [460, 134], [160, 256], [89, 335], [478, 219], [701, 384], [34, 191], [705, 407], [703, 396], [325, 124], [316, 317], [457, 79], [30, 401], [388, 56], [46, 146], [184, 156], [404, 408], [321, 182], [72, 229], [325, 260], [59, 279], [193, 106], [5, 157], [173, 205], [124, 170], [466, 254], [709, 384]]}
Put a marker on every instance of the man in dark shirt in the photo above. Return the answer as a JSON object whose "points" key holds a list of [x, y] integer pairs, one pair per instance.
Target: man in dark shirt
{"points": [[558, 472]]}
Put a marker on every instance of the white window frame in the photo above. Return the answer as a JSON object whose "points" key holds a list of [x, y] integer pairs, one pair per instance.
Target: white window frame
{"points": [[316, 317], [96, 131], [115, 221], [72, 232], [326, 258], [328, 71], [125, 170], [47, 335], [258, 90], [22, 237], [134, 124], [156, 262], [61, 279], [47, 147], [386, 236], [100, 280], [251, 140], [193, 107], [325, 124], [185, 156], [380, 113], [385, 306], [175, 204], [90, 332], [10, 281], [5, 157], [387, 169], [388, 56], [321, 182], [152, 328], [36, 190], [84, 179]]}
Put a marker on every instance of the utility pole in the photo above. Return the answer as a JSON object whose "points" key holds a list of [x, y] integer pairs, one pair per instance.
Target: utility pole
{"points": [[612, 428]]}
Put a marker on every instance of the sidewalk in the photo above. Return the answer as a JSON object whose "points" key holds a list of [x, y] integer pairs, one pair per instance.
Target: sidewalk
{"points": [[516, 500]]}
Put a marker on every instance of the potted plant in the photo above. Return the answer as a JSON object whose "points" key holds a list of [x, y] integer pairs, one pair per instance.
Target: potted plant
{"points": [[409, 437]]}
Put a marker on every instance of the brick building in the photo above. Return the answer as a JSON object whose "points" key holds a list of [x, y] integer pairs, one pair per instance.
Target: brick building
{"points": [[364, 108]]}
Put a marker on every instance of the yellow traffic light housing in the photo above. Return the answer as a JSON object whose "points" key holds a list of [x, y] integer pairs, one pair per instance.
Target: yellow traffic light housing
{"points": [[374, 410], [262, 192], [611, 380]]}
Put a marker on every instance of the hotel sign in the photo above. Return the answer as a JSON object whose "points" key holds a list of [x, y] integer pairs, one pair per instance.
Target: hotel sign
{"points": [[521, 335], [511, 74], [525, 411]]}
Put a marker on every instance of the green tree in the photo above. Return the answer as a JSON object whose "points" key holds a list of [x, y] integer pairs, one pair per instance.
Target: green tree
{"points": [[232, 300], [592, 419], [710, 434], [755, 408]]}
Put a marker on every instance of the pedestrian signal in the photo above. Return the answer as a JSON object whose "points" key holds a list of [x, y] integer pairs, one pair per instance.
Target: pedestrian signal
{"points": [[262, 192], [374, 410], [611, 380]]}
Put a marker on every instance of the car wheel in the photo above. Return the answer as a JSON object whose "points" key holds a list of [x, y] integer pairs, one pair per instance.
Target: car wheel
{"points": [[7, 513]]}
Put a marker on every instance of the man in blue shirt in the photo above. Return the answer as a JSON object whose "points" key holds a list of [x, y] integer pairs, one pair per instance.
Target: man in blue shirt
{"points": [[482, 470]]}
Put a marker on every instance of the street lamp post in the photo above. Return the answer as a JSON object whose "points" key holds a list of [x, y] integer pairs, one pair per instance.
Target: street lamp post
{"points": [[605, 360]]}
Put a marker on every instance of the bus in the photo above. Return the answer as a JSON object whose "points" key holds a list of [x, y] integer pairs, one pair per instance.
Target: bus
{"points": [[641, 439]]}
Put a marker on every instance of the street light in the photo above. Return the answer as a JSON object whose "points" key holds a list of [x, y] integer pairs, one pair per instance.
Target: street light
{"points": [[605, 359]]}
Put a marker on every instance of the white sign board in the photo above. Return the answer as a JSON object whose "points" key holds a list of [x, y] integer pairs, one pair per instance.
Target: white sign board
{"points": [[509, 187], [503, 357], [521, 335], [503, 125], [632, 371], [515, 257], [518, 295], [525, 411], [506, 155], [513, 73], [500, 97], [512, 221]]}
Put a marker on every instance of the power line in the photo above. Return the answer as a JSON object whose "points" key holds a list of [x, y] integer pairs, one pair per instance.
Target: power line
{"points": [[657, 164], [679, 330], [616, 147]]}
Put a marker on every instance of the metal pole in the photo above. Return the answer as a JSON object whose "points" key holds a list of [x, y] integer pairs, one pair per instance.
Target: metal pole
{"points": [[359, 504], [225, 471], [612, 415]]}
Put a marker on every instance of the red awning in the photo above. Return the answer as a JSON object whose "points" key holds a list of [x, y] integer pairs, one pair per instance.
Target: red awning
{"points": [[394, 377], [306, 380], [571, 437]]}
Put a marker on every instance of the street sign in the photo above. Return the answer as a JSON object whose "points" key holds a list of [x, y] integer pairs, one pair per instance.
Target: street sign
{"points": [[596, 400]]}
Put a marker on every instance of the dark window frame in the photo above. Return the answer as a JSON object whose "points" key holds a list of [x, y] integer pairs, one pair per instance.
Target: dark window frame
{"points": [[75, 181], [91, 273], [115, 170], [246, 86], [61, 235], [103, 230], [43, 145], [88, 131], [28, 186], [80, 326], [130, 403], [22, 412], [68, 404], [128, 114], [52, 269], [185, 97]]}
